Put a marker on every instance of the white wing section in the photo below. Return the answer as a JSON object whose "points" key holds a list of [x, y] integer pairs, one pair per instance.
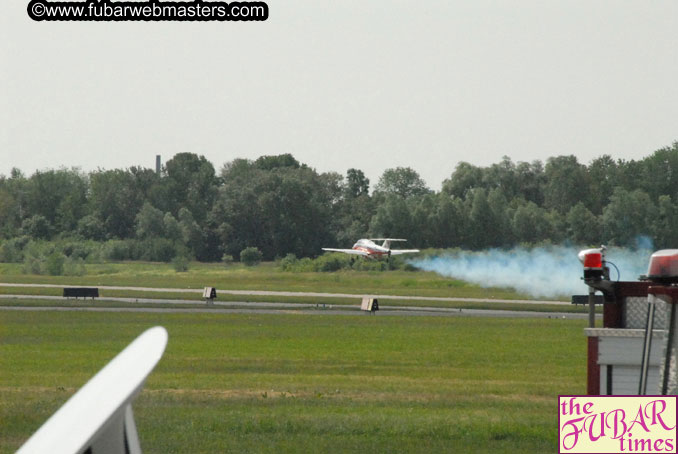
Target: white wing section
{"points": [[99, 416], [346, 251], [404, 251]]}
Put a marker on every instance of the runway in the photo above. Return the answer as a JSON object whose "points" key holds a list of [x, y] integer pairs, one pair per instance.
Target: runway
{"points": [[244, 307], [300, 294]]}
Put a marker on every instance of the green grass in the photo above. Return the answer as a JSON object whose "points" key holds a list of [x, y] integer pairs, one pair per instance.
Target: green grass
{"points": [[294, 383], [266, 276]]}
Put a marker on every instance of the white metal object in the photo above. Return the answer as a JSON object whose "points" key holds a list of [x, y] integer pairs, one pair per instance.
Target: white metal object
{"points": [[99, 416], [620, 356], [369, 304], [209, 293]]}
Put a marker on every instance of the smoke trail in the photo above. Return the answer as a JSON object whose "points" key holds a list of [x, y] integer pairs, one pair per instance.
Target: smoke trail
{"points": [[539, 272]]}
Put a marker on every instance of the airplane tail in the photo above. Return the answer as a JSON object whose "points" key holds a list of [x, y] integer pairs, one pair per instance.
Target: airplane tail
{"points": [[387, 241]]}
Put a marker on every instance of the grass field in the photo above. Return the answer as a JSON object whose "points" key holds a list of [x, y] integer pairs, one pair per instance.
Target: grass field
{"points": [[295, 383]]}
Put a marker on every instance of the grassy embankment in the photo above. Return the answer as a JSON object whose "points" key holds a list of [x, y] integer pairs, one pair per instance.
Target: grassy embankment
{"points": [[294, 383]]}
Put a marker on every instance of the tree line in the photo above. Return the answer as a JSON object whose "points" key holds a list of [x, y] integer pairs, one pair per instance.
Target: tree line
{"points": [[282, 206]]}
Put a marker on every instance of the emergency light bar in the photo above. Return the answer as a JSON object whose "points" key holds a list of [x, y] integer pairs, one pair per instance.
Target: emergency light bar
{"points": [[664, 266], [592, 259], [594, 263]]}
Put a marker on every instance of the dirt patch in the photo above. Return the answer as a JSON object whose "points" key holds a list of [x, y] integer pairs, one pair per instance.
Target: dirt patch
{"points": [[361, 396]]}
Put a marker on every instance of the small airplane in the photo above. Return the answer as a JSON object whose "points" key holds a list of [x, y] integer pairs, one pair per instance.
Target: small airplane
{"points": [[368, 248]]}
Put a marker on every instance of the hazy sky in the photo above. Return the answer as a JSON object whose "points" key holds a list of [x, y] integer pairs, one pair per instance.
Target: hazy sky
{"points": [[344, 84]]}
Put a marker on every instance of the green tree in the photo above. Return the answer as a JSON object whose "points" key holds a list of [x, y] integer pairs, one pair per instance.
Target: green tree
{"points": [[37, 227], [357, 184], [393, 219], [276, 162], [351, 215], [192, 184], [628, 215], [481, 220], [8, 212], [12, 202], [60, 196], [90, 227], [54, 264], [403, 182], [567, 183], [660, 173], [584, 227], [423, 211], [283, 210], [191, 233], [464, 178], [448, 222], [666, 223], [501, 227], [150, 222], [251, 256], [603, 173], [530, 224], [171, 228], [115, 200], [530, 181], [502, 176]]}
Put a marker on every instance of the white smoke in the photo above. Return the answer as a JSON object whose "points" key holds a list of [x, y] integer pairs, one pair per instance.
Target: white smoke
{"points": [[552, 271]]}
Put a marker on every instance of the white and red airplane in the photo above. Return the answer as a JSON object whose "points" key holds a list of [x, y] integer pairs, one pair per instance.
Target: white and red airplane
{"points": [[368, 248]]}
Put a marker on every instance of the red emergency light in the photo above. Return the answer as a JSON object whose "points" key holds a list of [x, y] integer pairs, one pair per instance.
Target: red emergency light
{"points": [[594, 264], [592, 259], [664, 266]]}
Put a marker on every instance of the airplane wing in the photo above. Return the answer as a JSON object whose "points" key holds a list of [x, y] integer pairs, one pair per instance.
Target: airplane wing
{"points": [[99, 418], [404, 251], [346, 251]]}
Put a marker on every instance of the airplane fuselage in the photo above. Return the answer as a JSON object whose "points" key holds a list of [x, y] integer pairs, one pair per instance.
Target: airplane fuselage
{"points": [[370, 248]]}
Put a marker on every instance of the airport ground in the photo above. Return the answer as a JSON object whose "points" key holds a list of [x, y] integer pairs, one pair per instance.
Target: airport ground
{"points": [[248, 378]]}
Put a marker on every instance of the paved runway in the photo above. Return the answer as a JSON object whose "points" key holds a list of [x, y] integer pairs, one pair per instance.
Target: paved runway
{"points": [[274, 308], [304, 294], [277, 308], [381, 313]]}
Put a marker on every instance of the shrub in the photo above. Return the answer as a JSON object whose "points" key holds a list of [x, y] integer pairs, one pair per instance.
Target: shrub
{"points": [[12, 251], [180, 263], [305, 265], [32, 265], [116, 250], [156, 250], [227, 259], [288, 262], [251, 256], [152, 250], [332, 262], [370, 265], [54, 265], [37, 227], [91, 227], [74, 267], [78, 250]]}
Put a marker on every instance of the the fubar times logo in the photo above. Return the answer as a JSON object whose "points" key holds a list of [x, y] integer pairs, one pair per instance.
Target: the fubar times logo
{"points": [[617, 424]]}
